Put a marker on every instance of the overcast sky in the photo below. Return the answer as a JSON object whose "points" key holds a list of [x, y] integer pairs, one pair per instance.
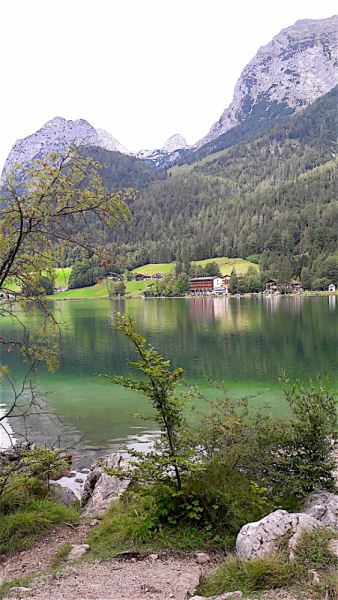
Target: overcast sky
{"points": [[141, 69]]}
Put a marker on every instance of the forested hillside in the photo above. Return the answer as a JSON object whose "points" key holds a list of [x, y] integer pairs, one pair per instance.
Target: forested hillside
{"points": [[273, 196]]}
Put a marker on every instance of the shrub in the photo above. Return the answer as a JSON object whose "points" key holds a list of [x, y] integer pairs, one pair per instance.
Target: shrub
{"points": [[305, 461]]}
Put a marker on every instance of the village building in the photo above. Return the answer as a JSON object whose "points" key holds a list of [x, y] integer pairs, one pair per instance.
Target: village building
{"points": [[221, 285], [210, 285], [142, 277], [202, 285], [332, 287], [271, 286], [158, 276]]}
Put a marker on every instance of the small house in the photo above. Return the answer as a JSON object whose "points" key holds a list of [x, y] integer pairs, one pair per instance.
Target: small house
{"points": [[142, 277], [332, 287]]}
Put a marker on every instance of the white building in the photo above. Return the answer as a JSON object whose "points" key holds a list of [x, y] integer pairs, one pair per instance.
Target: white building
{"points": [[332, 287]]}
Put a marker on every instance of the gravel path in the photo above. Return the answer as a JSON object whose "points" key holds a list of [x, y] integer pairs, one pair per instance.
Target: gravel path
{"points": [[115, 580]]}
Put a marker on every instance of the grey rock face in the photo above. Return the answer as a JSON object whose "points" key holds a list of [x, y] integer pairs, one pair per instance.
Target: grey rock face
{"points": [[175, 142], [258, 540], [102, 490], [322, 506], [56, 135], [298, 66]]}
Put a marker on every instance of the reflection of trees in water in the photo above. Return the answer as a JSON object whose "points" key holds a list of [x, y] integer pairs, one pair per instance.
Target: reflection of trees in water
{"points": [[225, 338]]}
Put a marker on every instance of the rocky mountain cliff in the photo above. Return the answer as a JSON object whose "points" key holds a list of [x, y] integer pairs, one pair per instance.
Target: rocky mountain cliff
{"points": [[57, 134], [298, 66]]}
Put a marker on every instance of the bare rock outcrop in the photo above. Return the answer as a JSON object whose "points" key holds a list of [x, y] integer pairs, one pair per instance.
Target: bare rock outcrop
{"points": [[298, 66], [102, 490], [258, 540], [322, 506]]}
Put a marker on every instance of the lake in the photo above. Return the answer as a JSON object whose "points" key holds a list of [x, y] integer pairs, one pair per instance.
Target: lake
{"points": [[245, 342]]}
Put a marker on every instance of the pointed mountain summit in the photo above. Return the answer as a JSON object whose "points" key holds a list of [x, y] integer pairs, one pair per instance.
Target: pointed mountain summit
{"points": [[56, 135], [175, 142], [298, 66]]}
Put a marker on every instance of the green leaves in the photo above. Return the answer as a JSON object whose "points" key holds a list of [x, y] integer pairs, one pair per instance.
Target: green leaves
{"points": [[170, 456]]}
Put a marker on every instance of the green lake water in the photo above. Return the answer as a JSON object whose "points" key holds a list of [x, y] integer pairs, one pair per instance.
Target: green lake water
{"points": [[245, 342]]}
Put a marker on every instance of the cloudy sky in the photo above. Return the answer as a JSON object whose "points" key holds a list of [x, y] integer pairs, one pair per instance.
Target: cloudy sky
{"points": [[141, 69]]}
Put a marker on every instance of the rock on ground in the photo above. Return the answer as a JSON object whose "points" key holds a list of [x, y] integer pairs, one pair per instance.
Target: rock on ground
{"points": [[102, 490], [227, 596], [64, 495], [258, 540], [322, 506], [186, 583], [77, 551]]}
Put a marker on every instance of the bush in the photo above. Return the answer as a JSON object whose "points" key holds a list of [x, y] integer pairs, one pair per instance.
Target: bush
{"points": [[305, 461]]}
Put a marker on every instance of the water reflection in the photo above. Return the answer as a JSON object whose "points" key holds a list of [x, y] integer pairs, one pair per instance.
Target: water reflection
{"points": [[332, 302], [246, 342]]}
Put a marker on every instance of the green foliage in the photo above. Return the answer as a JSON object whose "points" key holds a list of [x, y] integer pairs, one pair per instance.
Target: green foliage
{"points": [[133, 523], [44, 209], [212, 270], [233, 283], [305, 460], [44, 286], [27, 473], [116, 288], [159, 387]]}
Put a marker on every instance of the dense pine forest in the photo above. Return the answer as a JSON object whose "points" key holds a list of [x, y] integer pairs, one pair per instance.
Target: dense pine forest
{"points": [[269, 198]]}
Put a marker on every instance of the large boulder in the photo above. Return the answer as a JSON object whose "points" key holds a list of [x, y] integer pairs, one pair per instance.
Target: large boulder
{"points": [[258, 540], [322, 506], [102, 490]]}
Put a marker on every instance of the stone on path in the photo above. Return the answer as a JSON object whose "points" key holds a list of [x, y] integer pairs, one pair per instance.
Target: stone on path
{"points": [[228, 595], [258, 540], [202, 558], [185, 583], [77, 551], [20, 592]]}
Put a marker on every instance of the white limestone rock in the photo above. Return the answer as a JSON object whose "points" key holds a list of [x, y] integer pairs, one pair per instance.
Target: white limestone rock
{"points": [[186, 583], [258, 540], [56, 135], [322, 506], [298, 66], [102, 490], [175, 142], [77, 552]]}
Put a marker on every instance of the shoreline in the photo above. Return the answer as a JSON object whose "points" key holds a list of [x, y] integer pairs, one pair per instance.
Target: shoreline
{"points": [[248, 295]]}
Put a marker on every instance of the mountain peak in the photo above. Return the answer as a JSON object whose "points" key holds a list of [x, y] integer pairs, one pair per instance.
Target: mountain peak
{"points": [[298, 66], [56, 135], [175, 142]]}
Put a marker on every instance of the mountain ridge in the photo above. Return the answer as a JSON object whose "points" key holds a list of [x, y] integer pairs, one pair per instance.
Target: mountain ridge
{"points": [[298, 66]]}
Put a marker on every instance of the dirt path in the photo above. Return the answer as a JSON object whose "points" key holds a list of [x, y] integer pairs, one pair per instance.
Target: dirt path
{"points": [[39, 556]]}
